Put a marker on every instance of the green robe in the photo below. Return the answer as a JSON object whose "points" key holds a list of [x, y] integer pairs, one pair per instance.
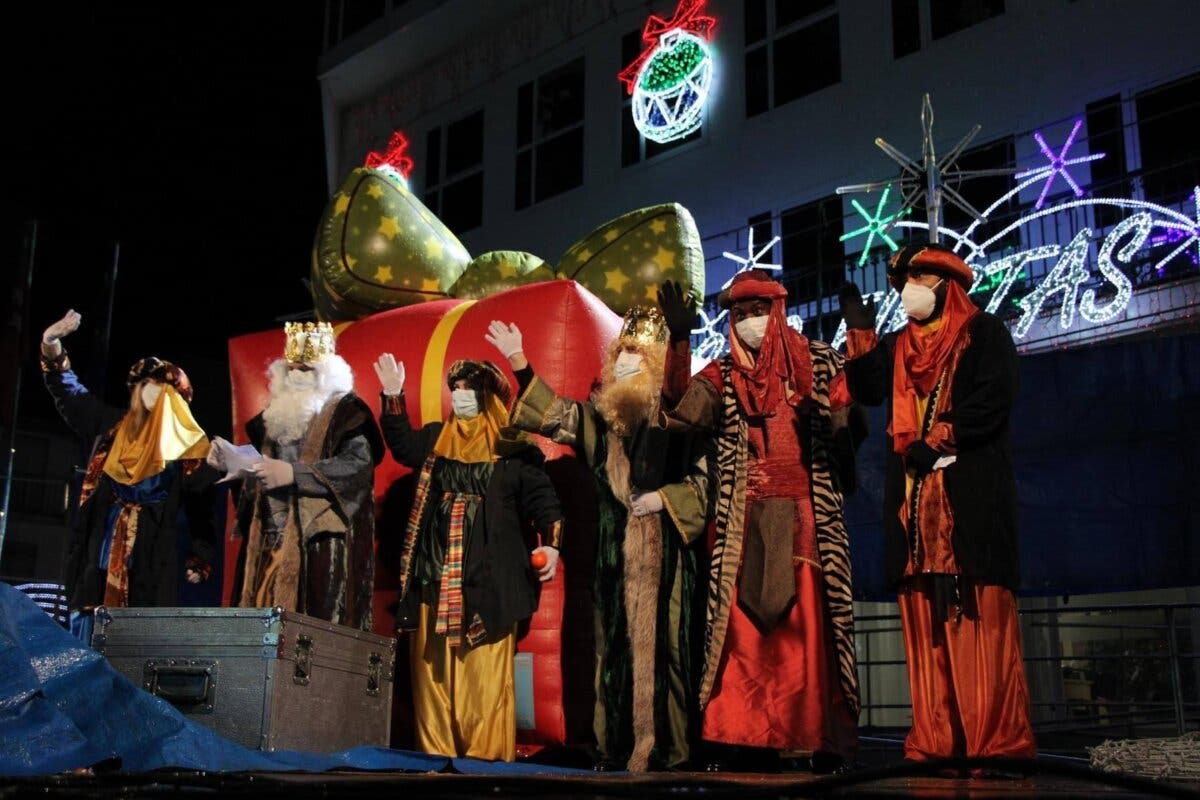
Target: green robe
{"points": [[646, 675]]}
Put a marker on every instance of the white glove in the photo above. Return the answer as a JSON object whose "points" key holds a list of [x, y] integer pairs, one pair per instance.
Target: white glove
{"points": [[216, 458], [274, 473], [51, 346], [547, 572], [391, 374], [505, 338], [643, 504]]}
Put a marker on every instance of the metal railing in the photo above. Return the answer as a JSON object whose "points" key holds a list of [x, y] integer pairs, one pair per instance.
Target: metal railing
{"points": [[1154, 678]]}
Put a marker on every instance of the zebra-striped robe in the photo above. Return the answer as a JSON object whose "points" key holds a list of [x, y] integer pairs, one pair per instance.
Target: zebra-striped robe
{"points": [[788, 682]]}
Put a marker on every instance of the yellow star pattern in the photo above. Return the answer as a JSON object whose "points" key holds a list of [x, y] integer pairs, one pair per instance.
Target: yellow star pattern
{"points": [[430, 285], [665, 258], [383, 274], [652, 293], [350, 260], [615, 279], [506, 269], [611, 235], [433, 248], [388, 227], [341, 203], [583, 255], [375, 191], [659, 226]]}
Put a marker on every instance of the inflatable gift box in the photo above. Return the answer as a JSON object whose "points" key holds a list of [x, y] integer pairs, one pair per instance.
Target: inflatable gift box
{"points": [[566, 329]]}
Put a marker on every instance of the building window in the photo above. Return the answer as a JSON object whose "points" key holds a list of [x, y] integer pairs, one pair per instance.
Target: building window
{"points": [[906, 27], [550, 134], [814, 264], [792, 50], [981, 192], [1168, 117], [1106, 134], [951, 16], [454, 173], [634, 146]]}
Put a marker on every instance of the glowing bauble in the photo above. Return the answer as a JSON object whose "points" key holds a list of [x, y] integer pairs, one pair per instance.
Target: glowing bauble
{"points": [[672, 87]]}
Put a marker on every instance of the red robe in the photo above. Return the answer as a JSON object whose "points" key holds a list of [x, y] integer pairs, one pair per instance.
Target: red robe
{"points": [[780, 689]]}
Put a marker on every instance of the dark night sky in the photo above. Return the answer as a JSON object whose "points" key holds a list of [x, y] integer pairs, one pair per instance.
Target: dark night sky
{"points": [[190, 133]]}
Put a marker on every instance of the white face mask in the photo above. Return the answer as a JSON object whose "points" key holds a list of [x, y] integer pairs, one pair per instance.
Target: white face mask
{"points": [[301, 378], [627, 364], [919, 301], [465, 403], [150, 394], [751, 330]]}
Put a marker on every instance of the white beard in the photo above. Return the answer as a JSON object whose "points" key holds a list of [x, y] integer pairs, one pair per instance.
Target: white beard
{"points": [[296, 396]]}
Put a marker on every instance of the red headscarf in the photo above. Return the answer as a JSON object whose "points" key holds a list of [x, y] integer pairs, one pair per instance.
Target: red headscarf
{"points": [[782, 369], [921, 354]]}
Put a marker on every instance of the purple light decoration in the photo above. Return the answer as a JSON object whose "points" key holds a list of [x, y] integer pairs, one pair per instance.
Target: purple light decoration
{"points": [[1058, 164]]}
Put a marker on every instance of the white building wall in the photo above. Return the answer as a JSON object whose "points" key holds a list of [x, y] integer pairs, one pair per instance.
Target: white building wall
{"points": [[1037, 64]]}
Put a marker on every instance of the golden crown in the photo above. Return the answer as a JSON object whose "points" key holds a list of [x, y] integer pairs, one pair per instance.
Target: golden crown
{"points": [[307, 341], [644, 325]]}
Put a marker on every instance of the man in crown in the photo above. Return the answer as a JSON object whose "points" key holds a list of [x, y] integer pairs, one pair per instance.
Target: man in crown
{"points": [[780, 669], [469, 573], [652, 488], [146, 484], [949, 378], [306, 511]]}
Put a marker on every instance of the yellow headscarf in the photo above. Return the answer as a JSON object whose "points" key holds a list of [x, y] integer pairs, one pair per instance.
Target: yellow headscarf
{"points": [[170, 434], [473, 440]]}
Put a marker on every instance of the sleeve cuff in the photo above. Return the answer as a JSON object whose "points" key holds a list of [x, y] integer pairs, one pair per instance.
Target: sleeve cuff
{"points": [[60, 363], [941, 438], [859, 342], [392, 403], [553, 536]]}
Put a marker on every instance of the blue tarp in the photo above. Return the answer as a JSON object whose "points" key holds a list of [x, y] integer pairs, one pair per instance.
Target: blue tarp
{"points": [[1106, 452], [63, 707]]}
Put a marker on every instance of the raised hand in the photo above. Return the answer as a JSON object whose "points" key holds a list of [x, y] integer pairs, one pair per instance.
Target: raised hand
{"points": [[678, 308], [858, 315], [52, 336], [390, 374], [505, 338]]}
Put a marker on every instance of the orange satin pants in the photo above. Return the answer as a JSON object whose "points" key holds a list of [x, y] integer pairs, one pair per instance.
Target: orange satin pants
{"points": [[969, 695]]}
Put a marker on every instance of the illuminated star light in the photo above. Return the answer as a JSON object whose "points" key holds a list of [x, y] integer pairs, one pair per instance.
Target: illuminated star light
{"points": [[877, 225], [1057, 164], [932, 180], [751, 259]]}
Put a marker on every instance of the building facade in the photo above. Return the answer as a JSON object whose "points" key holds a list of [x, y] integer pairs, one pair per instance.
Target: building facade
{"points": [[523, 139]]}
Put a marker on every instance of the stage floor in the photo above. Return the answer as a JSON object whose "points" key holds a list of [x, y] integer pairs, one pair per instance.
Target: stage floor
{"points": [[874, 782]]}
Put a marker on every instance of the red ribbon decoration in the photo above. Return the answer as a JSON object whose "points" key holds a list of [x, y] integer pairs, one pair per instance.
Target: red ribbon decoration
{"points": [[396, 156], [687, 17]]}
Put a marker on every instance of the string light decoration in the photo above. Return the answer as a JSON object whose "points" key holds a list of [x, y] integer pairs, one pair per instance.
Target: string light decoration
{"points": [[394, 159], [930, 179], [1150, 226], [877, 225], [671, 80], [1057, 164], [714, 341]]}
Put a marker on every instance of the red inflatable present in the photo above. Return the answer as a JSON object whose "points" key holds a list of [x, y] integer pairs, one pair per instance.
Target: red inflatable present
{"points": [[566, 330]]}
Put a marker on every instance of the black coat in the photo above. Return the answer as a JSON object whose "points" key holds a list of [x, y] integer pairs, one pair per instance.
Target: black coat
{"points": [[979, 485], [498, 582], [156, 568]]}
